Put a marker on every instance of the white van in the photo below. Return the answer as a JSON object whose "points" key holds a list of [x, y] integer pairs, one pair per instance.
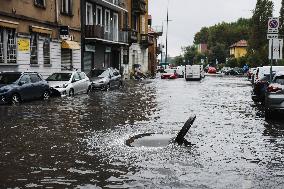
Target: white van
{"points": [[194, 72]]}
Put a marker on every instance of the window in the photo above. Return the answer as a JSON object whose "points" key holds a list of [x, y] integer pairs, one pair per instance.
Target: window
{"points": [[66, 7], [107, 20], [40, 3], [99, 16], [89, 14], [7, 46], [34, 48], [46, 51], [25, 79], [76, 77], [35, 78], [82, 75]]}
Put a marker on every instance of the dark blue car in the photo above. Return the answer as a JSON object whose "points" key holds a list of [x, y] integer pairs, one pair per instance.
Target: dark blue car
{"points": [[16, 87]]}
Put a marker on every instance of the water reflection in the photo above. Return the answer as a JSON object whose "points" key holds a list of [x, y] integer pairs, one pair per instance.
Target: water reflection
{"points": [[80, 142]]}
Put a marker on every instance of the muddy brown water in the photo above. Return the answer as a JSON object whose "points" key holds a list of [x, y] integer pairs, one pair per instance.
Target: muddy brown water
{"points": [[80, 142]]}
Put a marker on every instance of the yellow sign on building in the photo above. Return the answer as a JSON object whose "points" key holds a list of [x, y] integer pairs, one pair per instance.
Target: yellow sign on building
{"points": [[23, 45]]}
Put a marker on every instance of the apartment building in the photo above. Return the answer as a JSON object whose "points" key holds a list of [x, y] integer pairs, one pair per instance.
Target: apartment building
{"points": [[105, 41], [138, 37], [40, 35]]}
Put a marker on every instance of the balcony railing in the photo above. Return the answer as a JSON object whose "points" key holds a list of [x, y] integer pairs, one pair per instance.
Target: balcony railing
{"points": [[139, 7], [146, 40], [97, 31], [120, 3], [133, 36], [94, 31]]}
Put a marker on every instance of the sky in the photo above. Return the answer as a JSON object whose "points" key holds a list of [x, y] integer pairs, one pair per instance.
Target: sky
{"points": [[189, 16]]}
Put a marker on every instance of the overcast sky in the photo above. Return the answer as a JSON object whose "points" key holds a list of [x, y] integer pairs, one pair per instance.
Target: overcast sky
{"points": [[189, 16]]}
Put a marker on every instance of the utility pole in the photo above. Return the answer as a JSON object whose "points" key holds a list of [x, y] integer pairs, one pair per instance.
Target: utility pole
{"points": [[166, 58]]}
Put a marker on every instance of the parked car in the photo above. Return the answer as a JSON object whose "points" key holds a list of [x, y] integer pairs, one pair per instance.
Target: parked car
{"points": [[235, 71], [169, 74], [69, 83], [274, 98], [260, 87], [212, 70], [105, 79], [16, 87]]}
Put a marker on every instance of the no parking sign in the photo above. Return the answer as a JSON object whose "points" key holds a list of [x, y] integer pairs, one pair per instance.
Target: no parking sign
{"points": [[273, 25]]}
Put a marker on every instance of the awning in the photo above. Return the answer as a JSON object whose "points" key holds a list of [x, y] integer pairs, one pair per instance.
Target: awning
{"points": [[43, 30], [70, 45], [8, 24]]}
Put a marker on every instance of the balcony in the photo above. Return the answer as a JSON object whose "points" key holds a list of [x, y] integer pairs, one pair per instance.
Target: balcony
{"points": [[117, 5], [96, 32], [146, 40], [133, 36], [139, 7], [159, 49]]}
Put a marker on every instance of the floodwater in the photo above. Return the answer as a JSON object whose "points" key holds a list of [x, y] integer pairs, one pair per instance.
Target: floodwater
{"points": [[80, 142]]}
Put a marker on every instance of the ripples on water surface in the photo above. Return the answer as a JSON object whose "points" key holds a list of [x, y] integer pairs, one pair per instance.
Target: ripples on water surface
{"points": [[80, 142]]}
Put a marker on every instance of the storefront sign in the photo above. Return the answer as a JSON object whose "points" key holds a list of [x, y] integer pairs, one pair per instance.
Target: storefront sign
{"points": [[64, 32], [23, 45]]}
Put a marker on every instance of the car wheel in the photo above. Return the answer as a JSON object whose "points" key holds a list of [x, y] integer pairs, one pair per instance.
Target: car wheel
{"points": [[15, 99], [268, 114], [89, 89], [107, 87], [71, 92], [120, 85], [46, 95]]}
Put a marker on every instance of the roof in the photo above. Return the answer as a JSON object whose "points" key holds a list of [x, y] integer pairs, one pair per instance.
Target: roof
{"points": [[241, 43]]}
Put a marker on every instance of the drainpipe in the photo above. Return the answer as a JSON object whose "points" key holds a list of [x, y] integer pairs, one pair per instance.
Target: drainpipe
{"points": [[56, 12]]}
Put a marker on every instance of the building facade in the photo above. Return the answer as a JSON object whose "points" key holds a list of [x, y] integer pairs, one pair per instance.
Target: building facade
{"points": [[239, 49], [40, 35], [154, 48], [105, 41], [138, 37]]}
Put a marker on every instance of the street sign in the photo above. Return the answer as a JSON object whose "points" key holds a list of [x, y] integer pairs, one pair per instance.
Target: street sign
{"points": [[272, 36], [273, 25], [276, 49]]}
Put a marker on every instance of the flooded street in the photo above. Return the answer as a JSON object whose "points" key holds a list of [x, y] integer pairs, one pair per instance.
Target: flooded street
{"points": [[80, 142]]}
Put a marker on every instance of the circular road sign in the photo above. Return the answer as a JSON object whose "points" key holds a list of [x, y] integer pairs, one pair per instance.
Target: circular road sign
{"points": [[273, 24]]}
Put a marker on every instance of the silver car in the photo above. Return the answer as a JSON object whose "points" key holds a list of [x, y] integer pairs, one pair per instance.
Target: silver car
{"points": [[274, 97], [69, 83]]}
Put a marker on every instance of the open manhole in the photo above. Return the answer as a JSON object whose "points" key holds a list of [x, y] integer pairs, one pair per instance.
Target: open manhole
{"points": [[150, 140], [161, 140]]}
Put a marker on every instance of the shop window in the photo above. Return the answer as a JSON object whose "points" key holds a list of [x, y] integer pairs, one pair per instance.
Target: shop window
{"points": [[46, 51], [8, 48], [66, 59], [40, 3], [34, 48], [66, 7]]}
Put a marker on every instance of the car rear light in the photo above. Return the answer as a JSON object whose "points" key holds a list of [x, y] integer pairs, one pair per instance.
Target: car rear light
{"points": [[273, 89]]}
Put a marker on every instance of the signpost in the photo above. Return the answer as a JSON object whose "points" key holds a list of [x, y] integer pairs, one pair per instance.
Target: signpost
{"points": [[275, 44]]}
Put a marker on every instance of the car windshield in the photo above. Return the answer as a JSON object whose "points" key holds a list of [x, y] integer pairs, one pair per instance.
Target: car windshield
{"points": [[97, 73], [280, 80], [59, 77], [170, 70], [104, 74], [9, 78]]}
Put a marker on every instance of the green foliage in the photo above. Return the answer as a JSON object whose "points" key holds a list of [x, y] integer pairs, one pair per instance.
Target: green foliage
{"points": [[257, 41]]}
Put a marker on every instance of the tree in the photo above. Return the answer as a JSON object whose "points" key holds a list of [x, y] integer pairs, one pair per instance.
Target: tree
{"points": [[190, 53], [281, 19], [257, 41]]}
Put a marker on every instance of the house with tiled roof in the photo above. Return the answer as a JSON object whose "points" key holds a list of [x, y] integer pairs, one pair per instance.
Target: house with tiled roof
{"points": [[239, 49]]}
